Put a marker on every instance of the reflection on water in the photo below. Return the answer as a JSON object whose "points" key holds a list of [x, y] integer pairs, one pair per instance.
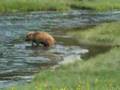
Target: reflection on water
{"points": [[19, 61]]}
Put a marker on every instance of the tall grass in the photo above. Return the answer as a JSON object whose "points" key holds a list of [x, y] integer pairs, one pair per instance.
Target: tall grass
{"points": [[32, 5], [59, 5], [107, 33], [99, 5]]}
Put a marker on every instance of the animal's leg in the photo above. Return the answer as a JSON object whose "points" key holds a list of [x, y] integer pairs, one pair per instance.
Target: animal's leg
{"points": [[37, 43], [46, 44], [33, 43]]}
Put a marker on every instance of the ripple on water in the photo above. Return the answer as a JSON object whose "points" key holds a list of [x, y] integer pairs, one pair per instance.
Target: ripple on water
{"points": [[21, 60]]}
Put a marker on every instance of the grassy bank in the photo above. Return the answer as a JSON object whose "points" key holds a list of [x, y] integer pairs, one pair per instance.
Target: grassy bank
{"points": [[32, 5], [99, 5], [107, 33], [97, 73], [57, 5]]}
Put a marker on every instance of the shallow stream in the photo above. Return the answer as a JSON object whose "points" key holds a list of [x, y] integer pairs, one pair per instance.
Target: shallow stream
{"points": [[19, 61]]}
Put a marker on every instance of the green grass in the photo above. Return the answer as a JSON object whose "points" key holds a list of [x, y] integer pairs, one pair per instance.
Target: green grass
{"points": [[57, 5], [99, 5], [32, 5], [99, 73], [107, 33]]}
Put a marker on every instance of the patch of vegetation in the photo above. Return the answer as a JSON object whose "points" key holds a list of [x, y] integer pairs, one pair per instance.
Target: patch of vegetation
{"points": [[99, 5], [107, 33], [32, 5], [57, 5]]}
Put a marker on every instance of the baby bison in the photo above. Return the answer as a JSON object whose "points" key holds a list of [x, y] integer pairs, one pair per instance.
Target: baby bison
{"points": [[38, 38]]}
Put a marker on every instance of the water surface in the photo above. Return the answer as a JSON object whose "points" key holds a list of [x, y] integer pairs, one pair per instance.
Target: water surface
{"points": [[19, 61]]}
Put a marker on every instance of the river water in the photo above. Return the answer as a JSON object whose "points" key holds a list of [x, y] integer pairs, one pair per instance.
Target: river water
{"points": [[19, 61]]}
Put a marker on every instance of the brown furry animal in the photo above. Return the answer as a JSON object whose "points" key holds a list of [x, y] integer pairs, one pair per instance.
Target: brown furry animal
{"points": [[42, 38]]}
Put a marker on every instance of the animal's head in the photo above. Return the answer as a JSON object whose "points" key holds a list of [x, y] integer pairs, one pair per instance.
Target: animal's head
{"points": [[29, 36]]}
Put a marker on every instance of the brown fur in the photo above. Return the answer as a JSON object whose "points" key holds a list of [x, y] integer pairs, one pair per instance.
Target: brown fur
{"points": [[40, 38]]}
